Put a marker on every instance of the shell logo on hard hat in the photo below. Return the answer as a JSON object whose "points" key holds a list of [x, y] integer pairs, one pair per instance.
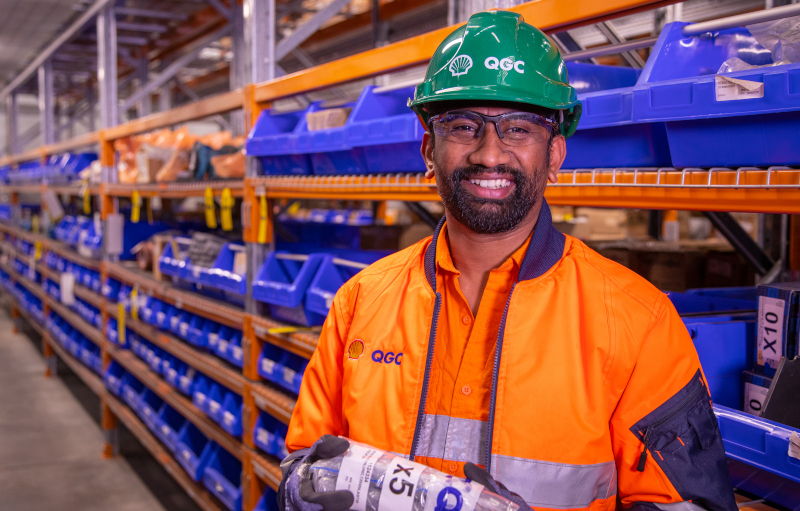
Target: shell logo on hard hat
{"points": [[460, 65], [356, 349]]}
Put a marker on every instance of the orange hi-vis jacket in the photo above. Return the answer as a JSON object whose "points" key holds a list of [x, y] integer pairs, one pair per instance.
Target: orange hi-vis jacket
{"points": [[597, 395]]}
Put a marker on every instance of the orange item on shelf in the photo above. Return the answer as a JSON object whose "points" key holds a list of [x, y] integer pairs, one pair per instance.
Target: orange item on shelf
{"points": [[229, 165]]}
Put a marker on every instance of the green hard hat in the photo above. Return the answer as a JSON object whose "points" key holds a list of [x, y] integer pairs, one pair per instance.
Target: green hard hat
{"points": [[496, 56]]}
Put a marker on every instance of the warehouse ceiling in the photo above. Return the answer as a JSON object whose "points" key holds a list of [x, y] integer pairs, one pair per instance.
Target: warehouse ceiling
{"points": [[28, 26]]}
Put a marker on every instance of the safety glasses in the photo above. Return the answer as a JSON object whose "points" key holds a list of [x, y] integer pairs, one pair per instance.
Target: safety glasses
{"points": [[513, 128]]}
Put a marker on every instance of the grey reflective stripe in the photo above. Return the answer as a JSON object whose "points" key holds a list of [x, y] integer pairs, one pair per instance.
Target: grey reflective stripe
{"points": [[451, 438], [555, 485], [679, 506]]}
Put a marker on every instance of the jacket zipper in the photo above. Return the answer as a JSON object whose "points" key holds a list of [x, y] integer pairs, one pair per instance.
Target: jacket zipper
{"points": [[428, 362], [487, 460], [666, 417]]}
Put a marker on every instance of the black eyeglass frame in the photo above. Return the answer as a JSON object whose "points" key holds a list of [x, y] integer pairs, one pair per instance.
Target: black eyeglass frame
{"points": [[550, 124]]}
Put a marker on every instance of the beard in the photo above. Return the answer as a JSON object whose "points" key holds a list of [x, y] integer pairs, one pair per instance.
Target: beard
{"points": [[491, 216]]}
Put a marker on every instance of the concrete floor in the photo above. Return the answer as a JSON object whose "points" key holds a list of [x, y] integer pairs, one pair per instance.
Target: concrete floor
{"points": [[50, 444]]}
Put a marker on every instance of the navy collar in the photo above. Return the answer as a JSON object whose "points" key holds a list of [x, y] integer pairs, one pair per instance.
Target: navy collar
{"points": [[544, 251]]}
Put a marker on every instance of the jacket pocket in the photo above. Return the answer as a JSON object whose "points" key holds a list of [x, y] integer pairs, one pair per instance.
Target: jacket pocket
{"points": [[682, 436]]}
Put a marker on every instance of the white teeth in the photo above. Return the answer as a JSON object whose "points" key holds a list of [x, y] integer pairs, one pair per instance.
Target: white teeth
{"points": [[491, 184]]}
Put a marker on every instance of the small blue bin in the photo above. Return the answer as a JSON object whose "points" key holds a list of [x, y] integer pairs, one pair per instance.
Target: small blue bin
{"points": [[155, 358], [169, 424], [330, 151], [387, 131], [282, 283], [200, 390], [150, 309], [193, 450], [677, 86], [222, 477], [232, 414], [269, 435], [195, 331], [222, 275], [701, 301], [171, 264], [112, 333], [186, 380], [281, 367], [333, 272], [131, 390], [149, 406], [210, 334], [164, 316], [113, 377], [216, 397], [111, 289], [174, 371], [235, 353], [726, 347], [274, 141], [166, 363], [179, 323]]}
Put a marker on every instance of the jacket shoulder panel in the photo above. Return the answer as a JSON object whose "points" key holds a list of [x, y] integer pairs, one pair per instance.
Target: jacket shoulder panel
{"points": [[621, 279]]}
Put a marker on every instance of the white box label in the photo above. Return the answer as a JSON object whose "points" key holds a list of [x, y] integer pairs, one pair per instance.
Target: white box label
{"points": [[732, 89], [770, 330], [754, 397]]}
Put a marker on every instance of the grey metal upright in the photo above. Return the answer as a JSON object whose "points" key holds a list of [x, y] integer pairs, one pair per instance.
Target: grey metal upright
{"points": [[238, 76], [107, 67], [13, 145], [47, 121], [259, 19]]}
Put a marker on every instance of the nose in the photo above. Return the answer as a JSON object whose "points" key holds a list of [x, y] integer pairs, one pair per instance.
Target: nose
{"points": [[489, 151]]}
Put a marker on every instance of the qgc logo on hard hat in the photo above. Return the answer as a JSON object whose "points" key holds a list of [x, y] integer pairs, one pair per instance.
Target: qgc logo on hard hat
{"points": [[460, 65], [506, 64]]}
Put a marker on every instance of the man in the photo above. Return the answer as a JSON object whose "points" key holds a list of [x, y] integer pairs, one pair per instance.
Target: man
{"points": [[499, 342]]}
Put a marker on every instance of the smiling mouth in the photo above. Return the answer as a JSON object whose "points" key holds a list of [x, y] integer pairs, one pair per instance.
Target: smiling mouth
{"points": [[491, 184]]}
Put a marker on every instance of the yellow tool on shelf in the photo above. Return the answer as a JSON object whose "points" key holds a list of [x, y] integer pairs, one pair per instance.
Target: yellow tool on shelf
{"points": [[136, 206], [211, 216], [226, 207], [262, 219]]}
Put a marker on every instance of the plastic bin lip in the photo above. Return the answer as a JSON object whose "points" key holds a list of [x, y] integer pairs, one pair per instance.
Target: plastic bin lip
{"points": [[769, 426]]}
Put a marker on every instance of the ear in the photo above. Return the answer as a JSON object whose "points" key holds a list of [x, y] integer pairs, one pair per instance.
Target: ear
{"points": [[557, 155], [427, 153]]}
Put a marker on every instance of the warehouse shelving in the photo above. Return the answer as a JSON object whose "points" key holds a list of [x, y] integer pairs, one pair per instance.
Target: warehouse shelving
{"points": [[774, 189]]}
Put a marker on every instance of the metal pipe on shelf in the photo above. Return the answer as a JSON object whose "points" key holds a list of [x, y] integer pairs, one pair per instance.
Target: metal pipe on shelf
{"points": [[47, 103], [741, 20]]}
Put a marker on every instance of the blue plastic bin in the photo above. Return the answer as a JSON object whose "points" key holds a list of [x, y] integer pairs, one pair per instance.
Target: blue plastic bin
{"points": [[193, 450], [222, 477], [607, 135], [274, 141], [131, 390], [149, 407], [232, 414], [113, 377], [677, 86], [235, 353], [164, 316], [695, 301], [194, 333], [333, 272], [171, 264], [726, 347], [222, 275], [216, 397], [111, 289], [169, 424], [269, 435], [173, 372], [282, 283], [387, 131], [200, 389], [281, 367]]}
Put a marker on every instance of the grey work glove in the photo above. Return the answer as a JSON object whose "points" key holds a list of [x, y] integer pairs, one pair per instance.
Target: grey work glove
{"points": [[479, 475], [296, 491]]}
